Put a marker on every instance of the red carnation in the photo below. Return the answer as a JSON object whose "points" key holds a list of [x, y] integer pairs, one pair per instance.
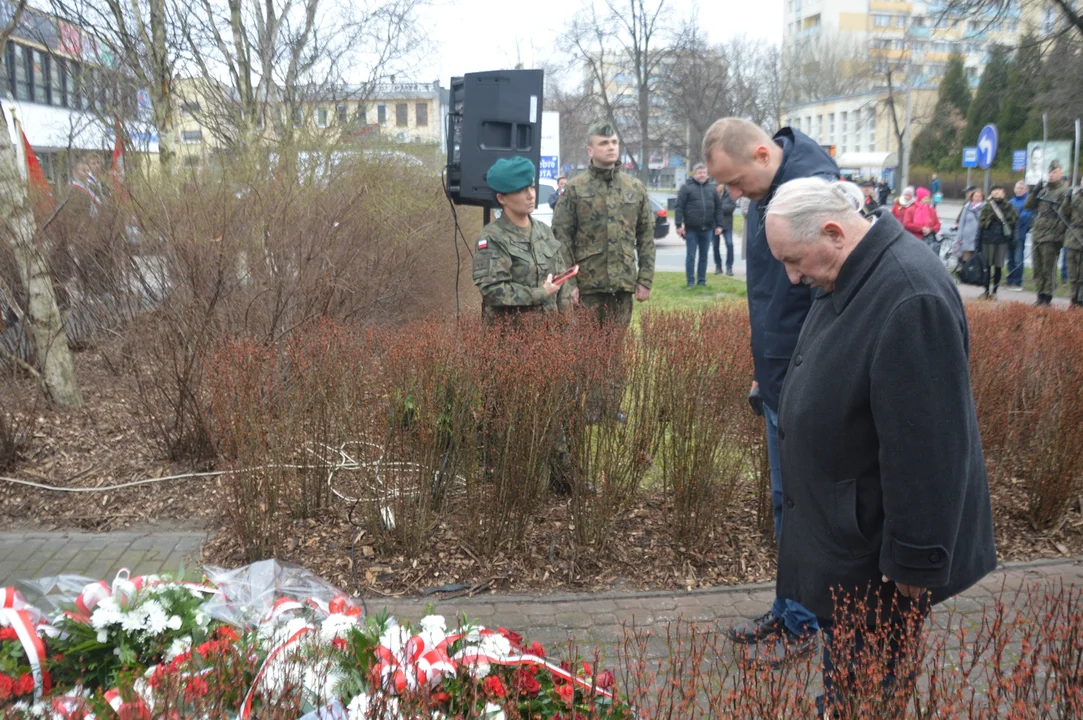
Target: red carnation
{"points": [[6, 686], [340, 644], [605, 680], [196, 688], [208, 648], [525, 684], [440, 696], [225, 632], [566, 692], [26, 685], [514, 638], [494, 687], [8, 633], [536, 649]]}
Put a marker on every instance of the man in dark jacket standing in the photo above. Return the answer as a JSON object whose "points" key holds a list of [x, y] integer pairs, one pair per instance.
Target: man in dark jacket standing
{"points": [[699, 219], [887, 498], [729, 205], [745, 159]]}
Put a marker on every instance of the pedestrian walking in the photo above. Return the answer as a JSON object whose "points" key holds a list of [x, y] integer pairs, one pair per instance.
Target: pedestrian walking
{"points": [[728, 207], [968, 224], [904, 201], [922, 220]]}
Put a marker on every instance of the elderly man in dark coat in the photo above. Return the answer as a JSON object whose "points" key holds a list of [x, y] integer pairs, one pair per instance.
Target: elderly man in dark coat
{"points": [[886, 495]]}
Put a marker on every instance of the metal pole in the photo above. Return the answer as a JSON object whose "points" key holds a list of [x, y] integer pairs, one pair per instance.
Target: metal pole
{"points": [[1045, 139], [968, 177], [909, 114], [985, 185], [1075, 165]]}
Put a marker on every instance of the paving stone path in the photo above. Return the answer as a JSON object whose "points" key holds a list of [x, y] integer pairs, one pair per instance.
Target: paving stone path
{"points": [[553, 620]]}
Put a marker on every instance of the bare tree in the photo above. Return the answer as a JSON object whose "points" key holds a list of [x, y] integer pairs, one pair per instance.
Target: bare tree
{"points": [[142, 32], [58, 369], [278, 55], [698, 88], [825, 65], [623, 52]]}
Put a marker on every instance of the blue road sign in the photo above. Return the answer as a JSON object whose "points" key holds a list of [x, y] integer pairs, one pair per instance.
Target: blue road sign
{"points": [[547, 167], [1019, 160], [970, 157], [987, 146]]}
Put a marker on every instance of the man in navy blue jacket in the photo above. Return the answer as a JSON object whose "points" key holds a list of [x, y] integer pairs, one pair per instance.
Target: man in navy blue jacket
{"points": [[744, 158]]}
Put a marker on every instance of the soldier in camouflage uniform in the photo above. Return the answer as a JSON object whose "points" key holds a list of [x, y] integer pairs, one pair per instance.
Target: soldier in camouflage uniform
{"points": [[516, 255], [605, 220], [1073, 241], [514, 264], [1048, 230]]}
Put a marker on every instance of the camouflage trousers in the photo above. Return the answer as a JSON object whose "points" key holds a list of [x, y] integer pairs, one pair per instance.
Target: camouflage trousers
{"points": [[612, 309], [1046, 255], [1075, 274]]}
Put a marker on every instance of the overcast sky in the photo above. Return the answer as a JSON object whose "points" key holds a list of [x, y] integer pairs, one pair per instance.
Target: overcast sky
{"points": [[476, 35]]}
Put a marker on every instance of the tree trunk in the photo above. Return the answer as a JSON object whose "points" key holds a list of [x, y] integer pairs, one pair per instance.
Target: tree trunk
{"points": [[58, 370], [162, 89], [644, 128]]}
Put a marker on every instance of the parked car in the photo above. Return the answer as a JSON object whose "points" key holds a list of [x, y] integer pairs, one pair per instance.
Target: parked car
{"points": [[544, 213]]}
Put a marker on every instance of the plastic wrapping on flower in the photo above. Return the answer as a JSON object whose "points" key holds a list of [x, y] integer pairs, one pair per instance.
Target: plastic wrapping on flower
{"points": [[261, 592]]}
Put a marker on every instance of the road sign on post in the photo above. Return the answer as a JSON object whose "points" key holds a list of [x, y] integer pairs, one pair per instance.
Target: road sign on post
{"points": [[1019, 160], [987, 146], [970, 157]]}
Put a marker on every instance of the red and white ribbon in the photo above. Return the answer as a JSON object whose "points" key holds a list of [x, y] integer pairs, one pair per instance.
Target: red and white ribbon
{"points": [[294, 637], [24, 619]]}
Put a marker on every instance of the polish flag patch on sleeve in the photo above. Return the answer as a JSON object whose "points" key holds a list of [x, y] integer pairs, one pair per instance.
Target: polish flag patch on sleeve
{"points": [[482, 244]]}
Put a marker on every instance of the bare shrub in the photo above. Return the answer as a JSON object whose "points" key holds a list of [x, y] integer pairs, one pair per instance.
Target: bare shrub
{"points": [[702, 374]]}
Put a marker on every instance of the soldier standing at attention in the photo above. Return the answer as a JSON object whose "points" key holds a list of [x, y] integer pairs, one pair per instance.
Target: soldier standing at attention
{"points": [[1048, 230], [605, 221], [516, 255]]}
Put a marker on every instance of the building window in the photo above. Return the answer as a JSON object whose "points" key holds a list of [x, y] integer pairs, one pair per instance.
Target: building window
{"points": [[421, 111], [192, 137], [871, 122], [361, 115], [37, 81], [819, 127], [844, 118], [381, 114], [20, 60], [342, 113], [917, 21], [190, 107], [831, 129], [900, 21], [881, 20], [321, 117], [57, 78], [402, 111]]}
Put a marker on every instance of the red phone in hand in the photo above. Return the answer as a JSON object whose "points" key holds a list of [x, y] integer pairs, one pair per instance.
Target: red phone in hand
{"points": [[570, 272]]}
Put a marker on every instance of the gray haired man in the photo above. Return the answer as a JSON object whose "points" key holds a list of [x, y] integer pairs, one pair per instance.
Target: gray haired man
{"points": [[699, 219]]}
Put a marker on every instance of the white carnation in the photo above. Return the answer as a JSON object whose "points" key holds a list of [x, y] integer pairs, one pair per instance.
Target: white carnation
{"points": [[106, 613], [175, 622], [493, 712], [134, 620], [103, 636], [179, 647], [434, 624], [336, 626], [202, 619], [156, 620]]}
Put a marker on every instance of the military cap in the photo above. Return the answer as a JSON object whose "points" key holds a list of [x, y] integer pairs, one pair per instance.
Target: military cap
{"points": [[601, 127], [1054, 165], [867, 183], [508, 175]]}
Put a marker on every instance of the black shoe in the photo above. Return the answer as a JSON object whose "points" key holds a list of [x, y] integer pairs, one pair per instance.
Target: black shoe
{"points": [[689, 286], [751, 632], [782, 649], [729, 272], [718, 271]]}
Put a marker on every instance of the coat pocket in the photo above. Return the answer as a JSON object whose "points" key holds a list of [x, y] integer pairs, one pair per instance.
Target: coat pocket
{"points": [[849, 512]]}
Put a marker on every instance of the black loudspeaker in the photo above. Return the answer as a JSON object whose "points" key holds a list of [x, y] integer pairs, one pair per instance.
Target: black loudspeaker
{"points": [[492, 115]]}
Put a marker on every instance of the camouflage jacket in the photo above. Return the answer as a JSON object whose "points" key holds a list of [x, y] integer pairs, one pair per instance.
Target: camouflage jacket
{"points": [[511, 264], [1074, 240], [605, 220], [1046, 226]]}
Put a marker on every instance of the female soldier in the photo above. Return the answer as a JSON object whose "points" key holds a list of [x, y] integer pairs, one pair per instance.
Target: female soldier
{"points": [[516, 255]]}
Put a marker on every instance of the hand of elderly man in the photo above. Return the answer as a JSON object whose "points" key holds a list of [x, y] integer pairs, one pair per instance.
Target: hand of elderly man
{"points": [[910, 591]]}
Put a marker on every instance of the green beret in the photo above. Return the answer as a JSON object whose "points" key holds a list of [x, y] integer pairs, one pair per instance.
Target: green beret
{"points": [[601, 127], [1054, 165], [508, 175]]}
